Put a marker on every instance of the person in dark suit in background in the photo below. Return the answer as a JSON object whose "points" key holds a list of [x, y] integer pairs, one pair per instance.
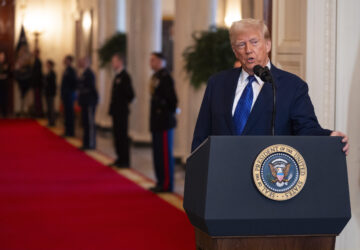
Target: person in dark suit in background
{"points": [[237, 102], [162, 123], [4, 84], [37, 84], [68, 96], [121, 95], [88, 99], [50, 91]]}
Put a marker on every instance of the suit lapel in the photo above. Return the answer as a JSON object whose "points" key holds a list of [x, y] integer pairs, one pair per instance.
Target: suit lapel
{"points": [[264, 100], [229, 96]]}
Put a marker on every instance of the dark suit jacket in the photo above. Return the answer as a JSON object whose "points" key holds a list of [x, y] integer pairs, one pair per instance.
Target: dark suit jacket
{"points": [[87, 90], [294, 111], [122, 94], [163, 102], [68, 84], [37, 75], [50, 84]]}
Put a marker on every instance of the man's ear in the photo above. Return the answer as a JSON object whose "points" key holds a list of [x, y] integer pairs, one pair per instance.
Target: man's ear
{"points": [[268, 45]]}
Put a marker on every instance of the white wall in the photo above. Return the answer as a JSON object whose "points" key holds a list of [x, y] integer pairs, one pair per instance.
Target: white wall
{"points": [[347, 108], [121, 15]]}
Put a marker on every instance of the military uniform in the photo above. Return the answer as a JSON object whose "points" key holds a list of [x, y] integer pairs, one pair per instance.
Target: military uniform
{"points": [[162, 124], [50, 92], [122, 95], [88, 99], [68, 87]]}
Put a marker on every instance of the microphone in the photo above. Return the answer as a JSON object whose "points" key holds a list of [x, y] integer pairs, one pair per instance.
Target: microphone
{"points": [[265, 75]]}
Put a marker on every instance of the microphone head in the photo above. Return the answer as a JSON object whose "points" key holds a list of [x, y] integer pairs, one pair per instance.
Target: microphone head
{"points": [[258, 70], [263, 73]]}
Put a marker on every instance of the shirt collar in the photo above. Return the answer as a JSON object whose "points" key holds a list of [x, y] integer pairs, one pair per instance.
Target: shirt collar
{"points": [[244, 75]]}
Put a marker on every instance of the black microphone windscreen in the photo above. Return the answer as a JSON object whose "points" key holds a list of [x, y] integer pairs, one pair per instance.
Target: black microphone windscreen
{"points": [[258, 70]]}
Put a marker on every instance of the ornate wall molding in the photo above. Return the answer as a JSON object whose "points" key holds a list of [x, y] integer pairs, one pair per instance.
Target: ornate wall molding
{"points": [[321, 58]]}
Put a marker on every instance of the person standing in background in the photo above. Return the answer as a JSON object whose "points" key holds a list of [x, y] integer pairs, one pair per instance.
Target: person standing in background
{"points": [[23, 74], [37, 84], [50, 92], [88, 99], [162, 123], [121, 95], [4, 84], [68, 87]]}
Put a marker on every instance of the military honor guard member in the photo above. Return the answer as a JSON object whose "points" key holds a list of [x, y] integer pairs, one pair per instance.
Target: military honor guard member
{"points": [[68, 95], [50, 91], [88, 99], [162, 123], [237, 102], [121, 96]]}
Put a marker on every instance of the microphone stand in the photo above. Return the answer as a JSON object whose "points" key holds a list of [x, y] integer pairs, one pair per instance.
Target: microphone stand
{"points": [[274, 107]]}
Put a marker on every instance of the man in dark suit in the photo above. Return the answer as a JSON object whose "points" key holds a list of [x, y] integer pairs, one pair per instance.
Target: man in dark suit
{"points": [[68, 87], [121, 95], [37, 83], [88, 99], [162, 123], [50, 92], [238, 103], [4, 84]]}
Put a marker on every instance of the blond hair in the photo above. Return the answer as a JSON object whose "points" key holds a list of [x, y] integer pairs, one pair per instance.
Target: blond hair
{"points": [[243, 24]]}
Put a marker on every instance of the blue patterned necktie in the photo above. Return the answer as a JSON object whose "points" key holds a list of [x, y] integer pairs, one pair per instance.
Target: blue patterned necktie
{"points": [[243, 107]]}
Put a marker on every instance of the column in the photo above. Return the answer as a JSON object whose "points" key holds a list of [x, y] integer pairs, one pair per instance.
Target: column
{"points": [[190, 16], [107, 26], [144, 36]]}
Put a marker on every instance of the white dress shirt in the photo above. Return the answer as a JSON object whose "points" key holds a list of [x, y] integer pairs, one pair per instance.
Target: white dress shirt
{"points": [[242, 82]]}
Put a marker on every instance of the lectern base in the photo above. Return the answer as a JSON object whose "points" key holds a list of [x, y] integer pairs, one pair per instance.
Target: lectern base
{"points": [[206, 242]]}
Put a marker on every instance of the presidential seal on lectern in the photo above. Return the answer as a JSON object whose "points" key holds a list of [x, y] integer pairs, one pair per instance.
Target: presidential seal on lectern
{"points": [[279, 172]]}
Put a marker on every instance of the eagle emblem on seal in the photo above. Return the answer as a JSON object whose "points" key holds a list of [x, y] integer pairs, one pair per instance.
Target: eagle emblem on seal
{"points": [[280, 171]]}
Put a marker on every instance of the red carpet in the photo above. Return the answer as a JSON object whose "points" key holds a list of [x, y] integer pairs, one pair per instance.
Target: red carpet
{"points": [[53, 196]]}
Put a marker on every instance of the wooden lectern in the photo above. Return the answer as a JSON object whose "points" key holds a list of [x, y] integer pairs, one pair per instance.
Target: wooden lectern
{"points": [[228, 211]]}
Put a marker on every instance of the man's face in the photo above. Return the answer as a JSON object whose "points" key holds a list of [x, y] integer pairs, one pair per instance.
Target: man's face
{"points": [[154, 62], [67, 62], [251, 48], [48, 66], [116, 63]]}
